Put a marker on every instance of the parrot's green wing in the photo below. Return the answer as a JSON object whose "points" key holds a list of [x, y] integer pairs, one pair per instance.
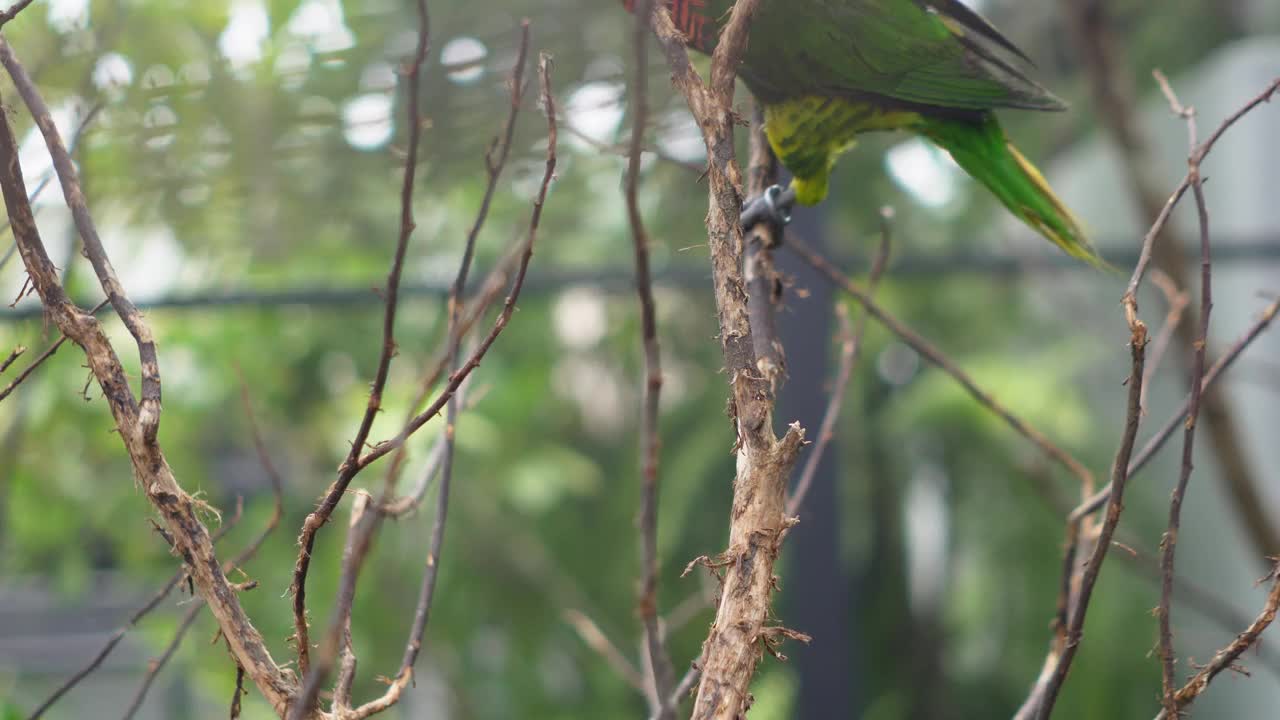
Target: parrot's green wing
{"points": [[962, 14], [828, 70], [939, 54]]}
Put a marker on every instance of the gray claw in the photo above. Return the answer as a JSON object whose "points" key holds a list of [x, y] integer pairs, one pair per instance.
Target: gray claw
{"points": [[774, 207]]}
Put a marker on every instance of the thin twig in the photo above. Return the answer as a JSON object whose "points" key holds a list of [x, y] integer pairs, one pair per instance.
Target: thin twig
{"points": [[238, 692], [650, 438], [1169, 542], [938, 359], [850, 348], [684, 686], [13, 356], [1226, 658], [348, 469], [1039, 704], [1178, 301], [355, 545], [412, 500], [1131, 303], [13, 11], [1208, 603], [422, 612], [495, 161], [1102, 48], [1177, 419], [273, 476], [157, 664], [595, 638], [26, 372], [1144, 258], [492, 287]]}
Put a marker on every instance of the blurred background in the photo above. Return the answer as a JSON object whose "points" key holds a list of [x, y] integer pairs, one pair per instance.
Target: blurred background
{"points": [[243, 161]]}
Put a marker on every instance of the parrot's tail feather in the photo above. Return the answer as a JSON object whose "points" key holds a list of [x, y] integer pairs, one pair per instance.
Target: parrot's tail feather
{"points": [[982, 149]]}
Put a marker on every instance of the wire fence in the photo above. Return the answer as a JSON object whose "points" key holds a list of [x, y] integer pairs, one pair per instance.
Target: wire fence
{"points": [[1229, 251]]}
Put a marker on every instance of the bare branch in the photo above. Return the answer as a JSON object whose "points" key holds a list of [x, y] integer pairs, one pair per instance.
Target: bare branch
{"points": [[1178, 301], [1102, 49], [129, 624], [595, 638], [1176, 420], [44, 182], [426, 595], [157, 664], [684, 687], [237, 693], [850, 346], [359, 543], [733, 648], [273, 476], [13, 11], [26, 372], [136, 424], [13, 356], [650, 436], [1225, 658], [348, 469], [422, 612], [411, 501], [148, 417], [1039, 704], [1209, 603], [759, 271], [355, 545], [1201, 152], [241, 558], [1169, 542], [939, 360]]}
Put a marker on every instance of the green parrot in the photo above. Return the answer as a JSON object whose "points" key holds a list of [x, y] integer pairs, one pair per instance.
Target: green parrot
{"points": [[826, 71]]}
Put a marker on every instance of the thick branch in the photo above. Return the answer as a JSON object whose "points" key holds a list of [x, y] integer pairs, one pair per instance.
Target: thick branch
{"points": [[177, 509], [148, 418], [736, 641]]}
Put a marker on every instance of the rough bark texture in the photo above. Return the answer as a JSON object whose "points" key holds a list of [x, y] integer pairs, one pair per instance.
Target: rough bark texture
{"points": [[176, 508], [741, 632]]}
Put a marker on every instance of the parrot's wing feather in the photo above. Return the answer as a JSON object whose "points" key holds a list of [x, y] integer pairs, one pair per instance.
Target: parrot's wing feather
{"points": [[924, 53], [962, 14]]}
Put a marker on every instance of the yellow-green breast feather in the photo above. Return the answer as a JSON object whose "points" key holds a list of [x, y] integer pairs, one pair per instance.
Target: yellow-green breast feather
{"points": [[809, 133]]}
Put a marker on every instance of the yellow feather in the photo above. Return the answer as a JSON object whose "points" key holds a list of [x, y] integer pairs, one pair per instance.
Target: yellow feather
{"points": [[809, 133]]}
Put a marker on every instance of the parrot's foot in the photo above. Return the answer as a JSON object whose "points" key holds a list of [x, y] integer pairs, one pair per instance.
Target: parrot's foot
{"points": [[773, 207]]}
